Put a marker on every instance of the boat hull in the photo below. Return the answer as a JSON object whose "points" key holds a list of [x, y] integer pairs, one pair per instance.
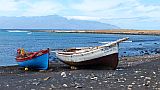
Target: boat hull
{"points": [[109, 61], [35, 60], [100, 57], [40, 62]]}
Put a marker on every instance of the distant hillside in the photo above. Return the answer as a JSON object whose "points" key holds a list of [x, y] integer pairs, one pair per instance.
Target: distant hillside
{"points": [[51, 22]]}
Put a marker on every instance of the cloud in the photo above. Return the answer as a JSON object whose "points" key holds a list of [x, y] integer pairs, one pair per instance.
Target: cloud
{"points": [[119, 12], [116, 8], [147, 23], [42, 8], [96, 5], [83, 17], [82, 9], [29, 7], [8, 5], [131, 14]]}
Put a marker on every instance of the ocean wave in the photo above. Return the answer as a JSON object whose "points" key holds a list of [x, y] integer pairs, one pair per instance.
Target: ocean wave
{"points": [[29, 33], [17, 31]]}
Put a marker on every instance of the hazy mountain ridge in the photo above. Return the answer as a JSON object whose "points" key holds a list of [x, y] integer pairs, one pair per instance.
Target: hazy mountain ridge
{"points": [[51, 22]]}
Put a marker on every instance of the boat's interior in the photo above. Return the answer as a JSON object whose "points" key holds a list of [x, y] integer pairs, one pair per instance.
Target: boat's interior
{"points": [[72, 49], [26, 55], [31, 54]]}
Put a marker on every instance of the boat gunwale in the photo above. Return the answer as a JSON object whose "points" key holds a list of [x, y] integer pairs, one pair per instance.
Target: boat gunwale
{"points": [[76, 53], [92, 50], [114, 43], [42, 52]]}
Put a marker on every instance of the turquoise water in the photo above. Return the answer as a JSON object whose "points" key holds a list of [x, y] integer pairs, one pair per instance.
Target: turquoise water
{"points": [[33, 41]]}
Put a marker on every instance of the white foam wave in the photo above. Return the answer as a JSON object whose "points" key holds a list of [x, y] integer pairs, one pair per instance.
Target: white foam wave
{"points": [[18, 31], [29, 33]]}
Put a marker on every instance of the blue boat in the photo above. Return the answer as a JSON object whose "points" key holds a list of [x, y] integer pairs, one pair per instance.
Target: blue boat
{"points": [[34, 60]]}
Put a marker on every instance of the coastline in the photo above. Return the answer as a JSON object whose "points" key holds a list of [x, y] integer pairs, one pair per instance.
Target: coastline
{"points": [[138, 72], [116, 31]]}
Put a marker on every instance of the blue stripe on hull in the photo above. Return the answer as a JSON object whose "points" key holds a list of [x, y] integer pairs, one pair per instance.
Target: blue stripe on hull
{"points": [[40, 62]]}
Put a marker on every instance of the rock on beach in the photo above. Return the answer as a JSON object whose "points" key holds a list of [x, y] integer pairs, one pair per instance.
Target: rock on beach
{"points": [[132, 73]]}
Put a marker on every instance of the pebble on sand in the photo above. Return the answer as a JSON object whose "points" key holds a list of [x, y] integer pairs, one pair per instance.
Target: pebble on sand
{"points": [[94, 78], [52, 86], [65, 85], [63, 74], [36, 83], [46, 78], [130, 87]]}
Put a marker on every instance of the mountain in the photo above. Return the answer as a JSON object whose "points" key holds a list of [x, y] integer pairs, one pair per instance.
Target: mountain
{"points": [[51, 22]]}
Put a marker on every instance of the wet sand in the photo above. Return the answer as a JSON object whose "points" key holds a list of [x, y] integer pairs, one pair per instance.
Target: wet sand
{"points": [[137, 73]]}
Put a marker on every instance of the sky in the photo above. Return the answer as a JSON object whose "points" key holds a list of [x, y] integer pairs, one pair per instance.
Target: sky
{"points": [[127, 14]]}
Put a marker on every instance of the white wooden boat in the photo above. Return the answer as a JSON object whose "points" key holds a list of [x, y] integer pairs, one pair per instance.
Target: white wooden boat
{"points": [[104, 55]]}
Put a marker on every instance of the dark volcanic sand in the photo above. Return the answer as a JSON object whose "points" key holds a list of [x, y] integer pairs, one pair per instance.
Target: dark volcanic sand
{"points": [[137, 73]]}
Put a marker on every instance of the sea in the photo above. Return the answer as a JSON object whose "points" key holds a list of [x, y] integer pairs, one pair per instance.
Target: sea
{"points": [[11, 40]]}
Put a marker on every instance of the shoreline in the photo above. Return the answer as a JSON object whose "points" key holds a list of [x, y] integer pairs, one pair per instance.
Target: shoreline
{"points": [[103, 31], [116, 31], [138, 72]]}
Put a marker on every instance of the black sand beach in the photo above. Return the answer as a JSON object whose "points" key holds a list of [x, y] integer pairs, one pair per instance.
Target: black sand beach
{"points": [[137, 73]]}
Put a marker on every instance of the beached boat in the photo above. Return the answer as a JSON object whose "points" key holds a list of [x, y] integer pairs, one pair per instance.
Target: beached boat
{"points": [[35, 60], [104, 55]]}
